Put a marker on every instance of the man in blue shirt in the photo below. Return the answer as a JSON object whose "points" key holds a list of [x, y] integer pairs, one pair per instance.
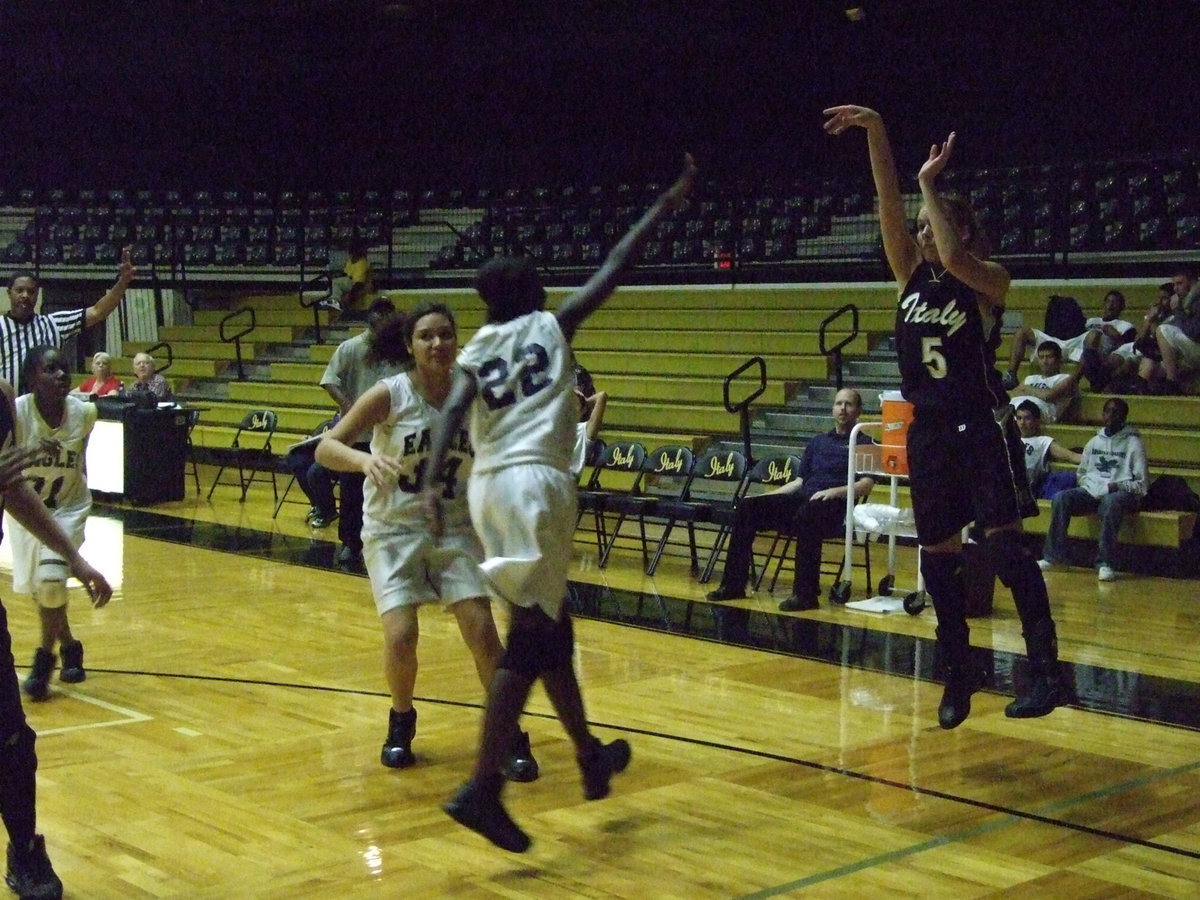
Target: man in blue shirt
{"points": [[811, 507]]}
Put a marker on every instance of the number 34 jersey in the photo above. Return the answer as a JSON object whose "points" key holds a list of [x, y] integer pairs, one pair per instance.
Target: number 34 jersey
{"points": [[57, 475], [947, 348], [406, 435], [526, 410]]}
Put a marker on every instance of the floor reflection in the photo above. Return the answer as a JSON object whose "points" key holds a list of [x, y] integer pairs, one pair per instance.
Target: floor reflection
{"points": [[1155, 699]]}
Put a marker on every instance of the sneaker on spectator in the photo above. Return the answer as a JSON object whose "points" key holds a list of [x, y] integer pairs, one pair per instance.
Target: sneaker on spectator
{"points": [[1106, 573], [1009, 381]]}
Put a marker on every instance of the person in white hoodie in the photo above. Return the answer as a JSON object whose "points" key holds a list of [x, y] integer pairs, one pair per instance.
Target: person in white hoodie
{"points": [[1111, 482]]}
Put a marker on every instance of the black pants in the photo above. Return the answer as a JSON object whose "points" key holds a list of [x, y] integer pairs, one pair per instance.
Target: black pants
{"points": [[314, 480], [18, 761], [351, 521], [808, 521]]}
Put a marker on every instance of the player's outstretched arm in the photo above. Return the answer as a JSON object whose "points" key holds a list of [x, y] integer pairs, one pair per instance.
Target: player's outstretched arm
{"points": [[572, 311], [988, 278], [336, 451], [898, 245]]}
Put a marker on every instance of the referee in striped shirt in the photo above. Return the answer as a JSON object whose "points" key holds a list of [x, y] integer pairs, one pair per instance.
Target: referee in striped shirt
{"points": [[22, 329]]}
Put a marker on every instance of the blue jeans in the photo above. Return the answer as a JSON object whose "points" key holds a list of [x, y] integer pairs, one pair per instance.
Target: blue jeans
{"points": [[1112, 508]]}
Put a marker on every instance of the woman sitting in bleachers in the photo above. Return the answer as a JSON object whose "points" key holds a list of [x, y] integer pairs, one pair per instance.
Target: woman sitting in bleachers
{"points": [[102, 381]]}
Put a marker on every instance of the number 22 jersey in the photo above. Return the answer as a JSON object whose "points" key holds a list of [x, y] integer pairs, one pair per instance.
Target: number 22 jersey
{"points": [[525, 411], [947, 352]]}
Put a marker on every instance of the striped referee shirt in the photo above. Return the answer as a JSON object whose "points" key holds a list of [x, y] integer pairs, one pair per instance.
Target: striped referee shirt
{"points": [[18, 338]]}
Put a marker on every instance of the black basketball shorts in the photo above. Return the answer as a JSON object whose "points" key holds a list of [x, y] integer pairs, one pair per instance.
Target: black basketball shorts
{"points": [[964, 472]]}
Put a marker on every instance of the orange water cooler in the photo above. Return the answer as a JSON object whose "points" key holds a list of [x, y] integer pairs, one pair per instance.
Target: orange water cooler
{"points": [[897, 416]]}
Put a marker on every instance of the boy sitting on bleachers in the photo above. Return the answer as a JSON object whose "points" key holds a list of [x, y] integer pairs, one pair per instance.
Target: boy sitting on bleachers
{"points": [[1112, 481]]}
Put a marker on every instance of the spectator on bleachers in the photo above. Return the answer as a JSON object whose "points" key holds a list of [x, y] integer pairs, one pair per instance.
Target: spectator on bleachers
{"points": [[102, 381], [1111, 483], [355, 366], [1050, 389], [355, 287], [810, 507], [1184, 281], [1102, 334], [592, 404], [1178, 343], [1040, 449], [585, 386], [22, 328], [1124, 361], [591, 416], [148, 380]]}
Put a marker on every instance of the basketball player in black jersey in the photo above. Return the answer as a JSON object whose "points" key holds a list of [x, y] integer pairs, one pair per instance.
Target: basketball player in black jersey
{"points": [[964, 453]]}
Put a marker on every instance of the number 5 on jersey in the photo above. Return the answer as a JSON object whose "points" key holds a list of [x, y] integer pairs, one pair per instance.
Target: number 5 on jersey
{"points": [[933, 358]]}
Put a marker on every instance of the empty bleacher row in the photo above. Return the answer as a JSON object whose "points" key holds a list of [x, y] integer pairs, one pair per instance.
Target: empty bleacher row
{"points": [[1031, 212]]}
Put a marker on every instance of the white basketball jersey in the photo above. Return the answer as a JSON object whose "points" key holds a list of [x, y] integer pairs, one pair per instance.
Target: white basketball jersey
{"points": [[1037, 457], [57, 475], [526, 410], [405, 435]]}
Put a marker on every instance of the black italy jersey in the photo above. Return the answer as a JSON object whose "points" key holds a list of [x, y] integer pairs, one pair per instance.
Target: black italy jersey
{"points": [[947, 351]]}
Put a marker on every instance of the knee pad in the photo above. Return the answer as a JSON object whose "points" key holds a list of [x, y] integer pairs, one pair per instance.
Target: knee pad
{"points": [[530, 652], [52, 594], [1018, 572], [943, 575], [523, 653], [1008, 556], [560, 648]]}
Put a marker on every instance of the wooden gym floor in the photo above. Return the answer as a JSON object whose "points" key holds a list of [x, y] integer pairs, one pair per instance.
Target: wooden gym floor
{"points": [[226, 741]]}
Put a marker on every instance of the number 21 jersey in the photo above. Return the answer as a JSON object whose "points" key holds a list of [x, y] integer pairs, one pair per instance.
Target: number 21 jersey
{"points": [[57, 474]]}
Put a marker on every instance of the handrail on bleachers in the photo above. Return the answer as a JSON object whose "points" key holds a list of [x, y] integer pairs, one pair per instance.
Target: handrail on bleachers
{"points": [[313, 285], [836, 350], [236, 339], [161, 345], [742, 407]]}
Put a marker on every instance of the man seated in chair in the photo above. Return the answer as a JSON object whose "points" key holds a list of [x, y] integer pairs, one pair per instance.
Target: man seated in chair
{"points": [[811, 508]]}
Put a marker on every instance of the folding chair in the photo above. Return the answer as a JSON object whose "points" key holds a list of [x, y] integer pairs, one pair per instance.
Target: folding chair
{"points": [[306, 446], [665, 474], [257, 460], [827, 567], [717, 483], [768, 473], [617, 463], [191, 417]]}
